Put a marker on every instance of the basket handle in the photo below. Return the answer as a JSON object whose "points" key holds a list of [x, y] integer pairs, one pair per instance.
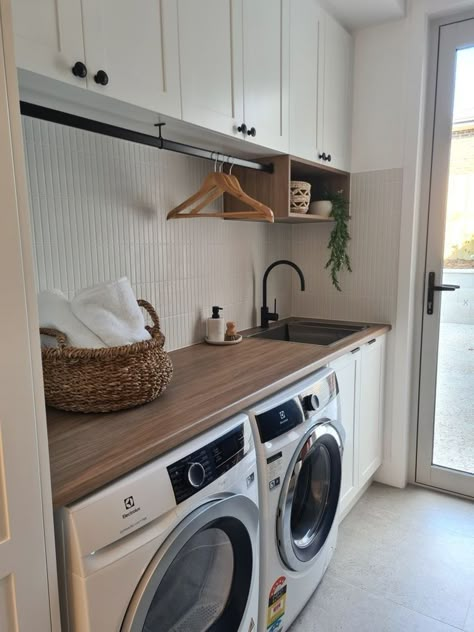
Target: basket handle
{"points": [[154, 317], [55, 333]]}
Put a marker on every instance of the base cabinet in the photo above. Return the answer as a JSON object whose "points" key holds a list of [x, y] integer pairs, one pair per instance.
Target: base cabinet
{"points": [[360, 375], [371, 408], [348, 377]]}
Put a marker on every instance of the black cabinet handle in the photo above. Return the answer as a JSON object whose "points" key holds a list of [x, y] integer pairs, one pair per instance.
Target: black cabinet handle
{"points": [[371, 342], [432, 288], [252, 132], [322, 156], [79, 70], [102, 78], [242, 128], [355, 350]]}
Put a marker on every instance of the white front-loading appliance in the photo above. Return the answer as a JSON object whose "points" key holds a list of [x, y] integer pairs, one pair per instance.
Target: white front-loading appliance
{"points": [[171, 547], [299, 442]]}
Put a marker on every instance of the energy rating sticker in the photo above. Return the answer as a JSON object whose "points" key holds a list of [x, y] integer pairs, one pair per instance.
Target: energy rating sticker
{"points": [[276, 605]]}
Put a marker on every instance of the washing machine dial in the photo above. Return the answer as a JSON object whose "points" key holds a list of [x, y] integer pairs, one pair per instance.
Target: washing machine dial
{"points": [[310, 403], [196, 475]]}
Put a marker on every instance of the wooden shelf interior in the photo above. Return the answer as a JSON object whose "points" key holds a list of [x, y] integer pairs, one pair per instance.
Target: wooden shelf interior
{"points": [[274, 189]]}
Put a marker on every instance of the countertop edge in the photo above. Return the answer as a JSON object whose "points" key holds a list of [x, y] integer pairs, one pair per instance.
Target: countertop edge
{"points": [[78, 487]]}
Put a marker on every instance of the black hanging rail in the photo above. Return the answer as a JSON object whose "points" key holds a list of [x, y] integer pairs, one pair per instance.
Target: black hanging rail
{"points": [[80, 122]]}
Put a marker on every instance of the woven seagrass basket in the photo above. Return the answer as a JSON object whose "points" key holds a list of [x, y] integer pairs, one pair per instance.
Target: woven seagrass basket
{"points": [[108, 379], [300, 195]]}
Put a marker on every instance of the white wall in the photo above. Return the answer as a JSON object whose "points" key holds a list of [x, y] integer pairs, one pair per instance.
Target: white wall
{"points": [[98, 208], [388, 130]]}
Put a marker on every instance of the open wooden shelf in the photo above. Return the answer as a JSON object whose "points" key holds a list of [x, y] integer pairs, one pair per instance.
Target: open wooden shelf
{"points": [[274, 189]]}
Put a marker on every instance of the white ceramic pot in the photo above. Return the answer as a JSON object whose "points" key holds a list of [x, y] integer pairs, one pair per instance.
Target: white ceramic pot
{"points": [[322, 208]]}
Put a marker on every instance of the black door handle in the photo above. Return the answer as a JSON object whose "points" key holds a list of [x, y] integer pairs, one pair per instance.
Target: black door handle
{"points": [[432, 288]]}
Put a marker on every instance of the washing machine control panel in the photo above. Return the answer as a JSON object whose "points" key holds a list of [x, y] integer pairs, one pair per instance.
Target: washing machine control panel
{"points": [[200, 468], [276, 421]]}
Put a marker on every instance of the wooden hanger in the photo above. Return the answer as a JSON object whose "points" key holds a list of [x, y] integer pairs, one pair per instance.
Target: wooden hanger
{"points": [[213, 187]]}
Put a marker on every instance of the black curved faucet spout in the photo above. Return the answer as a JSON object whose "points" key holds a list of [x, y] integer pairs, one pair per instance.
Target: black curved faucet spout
{"points": [[265, 315]]}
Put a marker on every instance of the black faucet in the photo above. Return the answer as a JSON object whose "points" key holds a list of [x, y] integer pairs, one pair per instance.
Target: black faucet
{"points": [[265, 315]]}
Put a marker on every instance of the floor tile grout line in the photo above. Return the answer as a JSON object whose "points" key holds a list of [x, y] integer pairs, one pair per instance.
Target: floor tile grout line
{"points": [[385, 596]]}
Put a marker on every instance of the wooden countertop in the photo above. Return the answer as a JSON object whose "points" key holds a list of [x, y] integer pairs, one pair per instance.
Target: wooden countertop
{"points": [[210, 383]]}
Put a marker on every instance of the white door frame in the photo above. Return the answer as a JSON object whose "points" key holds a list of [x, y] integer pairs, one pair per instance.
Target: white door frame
{"points": [[424, 474], [27, 553]]}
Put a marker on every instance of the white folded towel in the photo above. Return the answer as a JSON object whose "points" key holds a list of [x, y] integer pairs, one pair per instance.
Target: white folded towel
{"points": [[55, 312], [111, 311]]}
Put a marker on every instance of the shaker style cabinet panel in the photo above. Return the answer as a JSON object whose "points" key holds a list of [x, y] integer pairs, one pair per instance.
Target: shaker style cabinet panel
{"points": [[360, 376], [132, 52], [348, 377], [321, 60], [49, 39], [335, 107], [371, 408], [210, 49], [266, 72], [305, 43]]}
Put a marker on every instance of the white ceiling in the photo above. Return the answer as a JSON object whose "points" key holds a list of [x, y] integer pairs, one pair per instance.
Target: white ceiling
{"points": [[355, 14]]}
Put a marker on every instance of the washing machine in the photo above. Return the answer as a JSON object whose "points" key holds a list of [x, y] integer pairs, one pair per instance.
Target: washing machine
{"points": [[171, 547], [299, 441]]}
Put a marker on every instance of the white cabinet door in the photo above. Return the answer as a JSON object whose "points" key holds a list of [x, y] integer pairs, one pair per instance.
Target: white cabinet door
{"points": [[305, 42], [348, 377], [136, 45], [335, 111], [210, 49], [371, 407], [266, 71], [24, 600], [48, 37]]}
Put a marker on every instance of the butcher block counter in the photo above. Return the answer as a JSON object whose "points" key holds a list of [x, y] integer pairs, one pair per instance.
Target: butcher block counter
{"points": [[210, 383]]}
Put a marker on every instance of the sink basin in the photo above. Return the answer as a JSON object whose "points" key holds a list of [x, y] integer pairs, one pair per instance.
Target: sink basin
{"points": [[310, 332]]}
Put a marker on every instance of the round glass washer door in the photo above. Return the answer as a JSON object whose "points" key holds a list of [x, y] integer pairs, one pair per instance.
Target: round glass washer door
{"points": [[201, 577], [309, 496]]}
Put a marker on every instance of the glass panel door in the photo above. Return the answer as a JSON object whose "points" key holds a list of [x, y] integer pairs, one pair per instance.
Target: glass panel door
{"points": [[446, 421]]}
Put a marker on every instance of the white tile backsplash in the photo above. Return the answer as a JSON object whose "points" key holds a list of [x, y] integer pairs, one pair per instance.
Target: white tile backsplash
{"points": [[99, 208], [369, 293]]}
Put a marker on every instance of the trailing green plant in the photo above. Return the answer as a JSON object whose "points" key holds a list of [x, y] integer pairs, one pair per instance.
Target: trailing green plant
{"points": [[339, 239]]}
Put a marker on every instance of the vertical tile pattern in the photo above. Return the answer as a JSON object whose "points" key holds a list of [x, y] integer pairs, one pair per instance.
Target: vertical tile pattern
{"points": [[369, 293], [99, 208]]}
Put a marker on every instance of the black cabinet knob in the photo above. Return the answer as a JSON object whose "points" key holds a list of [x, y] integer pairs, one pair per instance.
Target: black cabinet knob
{"points": [[79, 70], [329, 158], [252, 132], [322, 156], [102, 78], [242, 128]]}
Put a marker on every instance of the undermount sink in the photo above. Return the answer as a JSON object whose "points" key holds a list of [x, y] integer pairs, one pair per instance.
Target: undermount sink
{"points": [[310, 332]]}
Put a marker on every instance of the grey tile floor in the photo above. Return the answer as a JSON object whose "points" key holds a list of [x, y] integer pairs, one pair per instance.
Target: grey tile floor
{"points": [[404, 563]]}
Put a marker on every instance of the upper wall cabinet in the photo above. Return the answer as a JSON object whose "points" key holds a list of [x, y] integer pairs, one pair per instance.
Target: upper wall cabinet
{"points": [[320, 86], [132, 52], [210, 47], [48, 37], [107, 46], [336, 93], [234, 58], [266, 72]]}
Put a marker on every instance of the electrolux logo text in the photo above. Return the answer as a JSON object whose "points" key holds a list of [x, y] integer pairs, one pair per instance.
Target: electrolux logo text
{"points": [[129, 503]]}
